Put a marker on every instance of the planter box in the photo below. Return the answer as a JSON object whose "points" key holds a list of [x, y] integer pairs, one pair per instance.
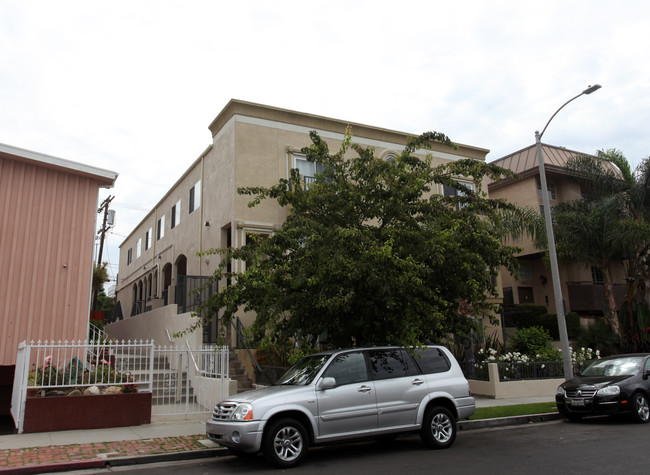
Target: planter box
{"points": [[54, 413]]}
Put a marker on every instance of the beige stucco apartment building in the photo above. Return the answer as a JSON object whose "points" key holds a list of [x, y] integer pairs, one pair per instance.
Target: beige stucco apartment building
{"points": [[48, 208], [582, 287], [252, 145]]}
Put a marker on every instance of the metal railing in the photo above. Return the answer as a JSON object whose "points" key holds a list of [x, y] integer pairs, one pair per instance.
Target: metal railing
{"points": [[96, 334], [189, 380], [191, 292], [181, 380], [43, 367], [477, 371], [519, 371]]}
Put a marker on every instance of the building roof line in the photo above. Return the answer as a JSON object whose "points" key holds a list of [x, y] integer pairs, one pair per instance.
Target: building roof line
{"points": [[105, 176]]}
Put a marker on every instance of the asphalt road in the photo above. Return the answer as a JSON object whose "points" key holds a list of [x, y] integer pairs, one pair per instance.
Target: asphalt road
{"points": [[596, 446]]}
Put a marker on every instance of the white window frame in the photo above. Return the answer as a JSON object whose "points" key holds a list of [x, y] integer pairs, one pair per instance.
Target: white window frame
{"points": [[148, 239], [138, 248], [458, 192], [551, 190], [195, 197], [176, 214], [160, 228], [525, 270]]}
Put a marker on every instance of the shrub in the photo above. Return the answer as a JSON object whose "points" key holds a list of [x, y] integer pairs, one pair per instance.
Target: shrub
{"points": [[531, 341], [533, 315], [599, 335]]}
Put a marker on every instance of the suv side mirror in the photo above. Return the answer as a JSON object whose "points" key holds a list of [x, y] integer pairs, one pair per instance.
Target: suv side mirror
{"points": [[326, 383], [646, 373]]}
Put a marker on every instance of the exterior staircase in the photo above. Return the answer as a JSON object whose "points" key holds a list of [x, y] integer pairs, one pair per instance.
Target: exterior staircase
{"points": [[170, 386], [238, 373]]}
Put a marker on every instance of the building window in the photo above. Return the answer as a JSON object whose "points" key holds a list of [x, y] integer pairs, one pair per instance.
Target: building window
{"points": [[195, 196], [160, 228], [451, 191], [138, 248], [525, 270], [147, 239], [129, 256], [551, 190], [597, 275], [176, 214], [390, 157], [307, 169]]}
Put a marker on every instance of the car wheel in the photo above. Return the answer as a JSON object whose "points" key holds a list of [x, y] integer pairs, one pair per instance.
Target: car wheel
{"points": [[641, 407], [438, 428], [285, 443]]}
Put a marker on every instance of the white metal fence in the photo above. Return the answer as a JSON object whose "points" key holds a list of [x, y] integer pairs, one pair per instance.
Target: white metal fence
{"points": [[181, 380], [189, 380]]}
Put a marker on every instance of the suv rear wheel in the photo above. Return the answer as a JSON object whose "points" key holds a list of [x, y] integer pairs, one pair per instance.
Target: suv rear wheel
{"points": [[438, 428], [285, 443]]}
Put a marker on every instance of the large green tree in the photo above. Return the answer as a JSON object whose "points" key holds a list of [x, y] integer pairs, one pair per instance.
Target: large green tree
{"points": [[370, 253]]}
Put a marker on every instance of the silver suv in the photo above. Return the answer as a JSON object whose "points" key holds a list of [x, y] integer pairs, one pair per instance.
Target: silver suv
{"points": [[341, 395]]}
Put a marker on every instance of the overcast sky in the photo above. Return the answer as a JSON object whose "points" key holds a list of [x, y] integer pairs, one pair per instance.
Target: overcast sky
{"points": [[131, 86]]}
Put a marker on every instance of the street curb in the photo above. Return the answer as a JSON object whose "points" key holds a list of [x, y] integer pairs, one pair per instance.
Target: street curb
{"points": [[115, 462], [508, 421], [221, 451]]}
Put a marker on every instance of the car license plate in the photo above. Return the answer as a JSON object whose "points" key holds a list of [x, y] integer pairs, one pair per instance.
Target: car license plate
{"points": [[578, 402]]}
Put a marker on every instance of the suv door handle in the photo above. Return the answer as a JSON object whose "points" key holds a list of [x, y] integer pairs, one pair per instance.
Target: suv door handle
{"points": [[364, 389], [417, 382]]}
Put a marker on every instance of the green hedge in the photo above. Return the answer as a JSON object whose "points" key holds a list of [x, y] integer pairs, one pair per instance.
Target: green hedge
{"points": [[528, 315]]}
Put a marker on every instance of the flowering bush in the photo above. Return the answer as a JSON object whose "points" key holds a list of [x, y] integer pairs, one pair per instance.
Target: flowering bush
{"points": [[76, 376], [490, 355], [46, 375]]}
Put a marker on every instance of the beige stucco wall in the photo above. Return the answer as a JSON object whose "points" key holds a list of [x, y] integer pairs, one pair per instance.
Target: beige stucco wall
{"points": [[512, 389], [252, 145], [158, 325]]}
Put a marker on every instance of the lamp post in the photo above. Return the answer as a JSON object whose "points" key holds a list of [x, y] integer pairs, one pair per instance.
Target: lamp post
{"points": [[555, 274]]}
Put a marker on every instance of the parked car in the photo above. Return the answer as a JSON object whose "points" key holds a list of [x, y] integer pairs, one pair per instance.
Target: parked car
{"points": [[341, 395], [614, 385]]}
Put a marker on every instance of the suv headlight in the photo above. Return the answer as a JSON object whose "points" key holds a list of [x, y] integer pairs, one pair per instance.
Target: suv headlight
{"points": [[244, 412], [612, 390], [560, 391]]}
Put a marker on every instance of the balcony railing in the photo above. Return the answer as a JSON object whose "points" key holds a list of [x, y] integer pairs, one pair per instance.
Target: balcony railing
{"points": [[588, 297]]}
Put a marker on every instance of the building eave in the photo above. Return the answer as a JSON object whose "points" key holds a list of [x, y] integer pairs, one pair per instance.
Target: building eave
{"points": [[106, 178]]}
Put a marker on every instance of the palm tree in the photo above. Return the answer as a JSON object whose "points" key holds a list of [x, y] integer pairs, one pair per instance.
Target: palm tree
{"points": [[611, 222], [588, 233]]}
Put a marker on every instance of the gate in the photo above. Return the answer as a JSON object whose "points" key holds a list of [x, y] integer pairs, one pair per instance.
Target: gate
{"points": [[188, 380]]}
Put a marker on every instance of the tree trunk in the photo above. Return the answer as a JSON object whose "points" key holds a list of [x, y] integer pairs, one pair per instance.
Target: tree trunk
{"points": [[610, 302]]}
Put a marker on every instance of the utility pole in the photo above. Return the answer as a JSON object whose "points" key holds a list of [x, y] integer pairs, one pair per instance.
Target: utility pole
{"points": [[102, 232]]}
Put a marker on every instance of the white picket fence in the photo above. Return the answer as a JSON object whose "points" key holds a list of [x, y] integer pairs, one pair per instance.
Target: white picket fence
{"points": [[181, 380]]}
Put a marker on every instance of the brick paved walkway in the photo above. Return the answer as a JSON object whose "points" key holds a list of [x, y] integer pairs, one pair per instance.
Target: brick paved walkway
{"points": [[13, 458]]}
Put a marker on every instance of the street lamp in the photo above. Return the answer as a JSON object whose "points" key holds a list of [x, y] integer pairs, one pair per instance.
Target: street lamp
{"points": [[555, 274]]}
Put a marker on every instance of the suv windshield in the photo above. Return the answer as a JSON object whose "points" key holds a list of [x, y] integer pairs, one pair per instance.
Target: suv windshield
{"points": [[614, 367], [304, 371]]}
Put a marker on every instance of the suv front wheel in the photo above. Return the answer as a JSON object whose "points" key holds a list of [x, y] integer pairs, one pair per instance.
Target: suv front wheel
{"points": [[285, 443], [438, 428]]}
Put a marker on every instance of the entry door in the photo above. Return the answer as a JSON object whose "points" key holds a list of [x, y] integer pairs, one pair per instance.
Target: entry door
{"points": [[351, 406], [525, 295]]}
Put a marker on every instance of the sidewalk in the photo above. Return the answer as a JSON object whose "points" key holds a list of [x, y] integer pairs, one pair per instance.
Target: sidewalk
{"points": [[166, 438]]}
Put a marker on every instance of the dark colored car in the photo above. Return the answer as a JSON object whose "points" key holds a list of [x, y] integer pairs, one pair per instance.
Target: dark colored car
{"points": [[614, 385]]}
